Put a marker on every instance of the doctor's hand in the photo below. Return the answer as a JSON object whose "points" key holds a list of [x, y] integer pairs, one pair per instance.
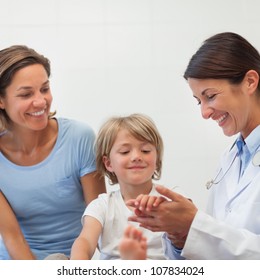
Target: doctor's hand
{"points": [[173, 215]]}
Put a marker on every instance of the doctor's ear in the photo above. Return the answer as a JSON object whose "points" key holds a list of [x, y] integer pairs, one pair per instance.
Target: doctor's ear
{"points": [[251, 80]]}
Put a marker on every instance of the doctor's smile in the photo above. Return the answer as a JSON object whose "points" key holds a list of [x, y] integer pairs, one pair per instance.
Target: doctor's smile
{"points": [[221, 119]]}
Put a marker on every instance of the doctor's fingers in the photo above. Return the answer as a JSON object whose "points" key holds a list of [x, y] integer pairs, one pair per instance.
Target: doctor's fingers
{"points": [[175, 209], [159, 200], [173, 196], [142, 219], [174, 216], [168, 215], [153, 223]]}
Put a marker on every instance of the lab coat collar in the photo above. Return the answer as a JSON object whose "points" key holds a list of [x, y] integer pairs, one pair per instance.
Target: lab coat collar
{"points": [[249, 175]]}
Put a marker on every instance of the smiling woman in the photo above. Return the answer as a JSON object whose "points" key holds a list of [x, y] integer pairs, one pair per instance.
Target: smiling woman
{"points": [[47, 164]]}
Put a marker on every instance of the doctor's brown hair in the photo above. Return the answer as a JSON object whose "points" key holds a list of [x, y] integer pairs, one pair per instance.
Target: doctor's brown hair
{"points": [[139, 126], [225, 55]]}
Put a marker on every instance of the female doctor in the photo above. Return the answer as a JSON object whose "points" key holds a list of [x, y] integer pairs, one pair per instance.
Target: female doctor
{"points": [[224, 78]]}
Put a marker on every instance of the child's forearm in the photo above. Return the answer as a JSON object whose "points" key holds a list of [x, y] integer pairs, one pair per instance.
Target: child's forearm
{"points": [[81, 250]]}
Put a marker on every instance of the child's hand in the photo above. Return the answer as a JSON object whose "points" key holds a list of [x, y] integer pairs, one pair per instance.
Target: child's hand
{"points": [[145, 202]]}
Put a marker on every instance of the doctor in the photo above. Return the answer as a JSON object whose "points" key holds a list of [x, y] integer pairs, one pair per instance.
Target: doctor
{"points": [[224, 78]]}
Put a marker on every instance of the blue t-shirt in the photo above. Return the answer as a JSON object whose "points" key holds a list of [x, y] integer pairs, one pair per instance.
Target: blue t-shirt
{"points": [[47, 198]]}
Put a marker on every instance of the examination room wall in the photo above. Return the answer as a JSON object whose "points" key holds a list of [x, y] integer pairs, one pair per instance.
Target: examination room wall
{"points": [[116, 57]]}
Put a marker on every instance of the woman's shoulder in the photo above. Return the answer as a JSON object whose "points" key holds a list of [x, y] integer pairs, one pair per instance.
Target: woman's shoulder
{"points": [[74, 127], [73, 123]]}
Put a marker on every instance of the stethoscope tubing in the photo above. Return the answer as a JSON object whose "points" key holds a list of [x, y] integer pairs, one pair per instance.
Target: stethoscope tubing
{"points": [[255, 162]]}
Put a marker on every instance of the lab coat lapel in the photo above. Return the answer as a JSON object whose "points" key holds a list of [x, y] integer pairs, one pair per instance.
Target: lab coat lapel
{"points": [[232, 180], [248, 176], [229, 158]]}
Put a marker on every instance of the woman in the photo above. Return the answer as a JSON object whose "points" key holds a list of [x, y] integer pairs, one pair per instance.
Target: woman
{"points": [[224, 78], [48, 171]]}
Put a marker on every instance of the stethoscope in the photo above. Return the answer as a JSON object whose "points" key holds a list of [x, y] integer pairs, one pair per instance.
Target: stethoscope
{"points": [[255, 162]]}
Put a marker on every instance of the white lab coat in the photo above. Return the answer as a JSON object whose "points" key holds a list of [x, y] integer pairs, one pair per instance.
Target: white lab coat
{"points": [[231, 227]]}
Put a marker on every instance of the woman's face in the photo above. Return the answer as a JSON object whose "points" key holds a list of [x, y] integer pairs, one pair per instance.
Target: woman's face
{"points": [[28, 98], [227, 104]]}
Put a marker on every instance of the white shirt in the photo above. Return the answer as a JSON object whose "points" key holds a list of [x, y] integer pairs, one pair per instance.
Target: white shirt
{"points": [[110, 210]]}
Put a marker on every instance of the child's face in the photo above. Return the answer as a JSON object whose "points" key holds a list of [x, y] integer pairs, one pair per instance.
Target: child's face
{"points": [[133, 161]]}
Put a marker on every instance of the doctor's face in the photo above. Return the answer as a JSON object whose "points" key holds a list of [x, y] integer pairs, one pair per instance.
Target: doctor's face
{"points": [[227, 104]]}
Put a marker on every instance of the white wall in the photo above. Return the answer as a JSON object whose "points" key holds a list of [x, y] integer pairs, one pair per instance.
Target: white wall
{"points": [[113, 57]]}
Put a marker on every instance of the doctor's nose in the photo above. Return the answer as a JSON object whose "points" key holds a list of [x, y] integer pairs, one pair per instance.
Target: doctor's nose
{"points": [[206, 111]]}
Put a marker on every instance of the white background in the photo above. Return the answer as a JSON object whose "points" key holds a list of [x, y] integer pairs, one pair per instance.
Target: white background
{"points": [[116, 57]]}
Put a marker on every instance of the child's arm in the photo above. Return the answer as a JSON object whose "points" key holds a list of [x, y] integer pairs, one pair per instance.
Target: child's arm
{"points": [[85, 245], [11, 233]]}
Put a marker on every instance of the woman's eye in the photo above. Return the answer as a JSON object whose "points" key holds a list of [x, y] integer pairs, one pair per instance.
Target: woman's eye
{"points": [[207, 98], [210, 97], [198, 101], [25, 95], [45, 90]]}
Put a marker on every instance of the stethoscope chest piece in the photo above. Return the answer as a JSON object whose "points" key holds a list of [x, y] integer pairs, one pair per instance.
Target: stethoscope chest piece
{"points": [[209, 184], [256, 159]]}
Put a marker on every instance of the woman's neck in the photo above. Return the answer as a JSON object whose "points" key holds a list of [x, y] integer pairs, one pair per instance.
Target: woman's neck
{"points": [[29, 147]]}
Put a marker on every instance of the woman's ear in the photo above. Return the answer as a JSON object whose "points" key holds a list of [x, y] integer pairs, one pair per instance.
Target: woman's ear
{"points": [[1, 104], [251, 80], [107, 163]]}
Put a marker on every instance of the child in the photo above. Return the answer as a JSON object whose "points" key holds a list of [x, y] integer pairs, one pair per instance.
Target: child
{"points": [[129, 152]]}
